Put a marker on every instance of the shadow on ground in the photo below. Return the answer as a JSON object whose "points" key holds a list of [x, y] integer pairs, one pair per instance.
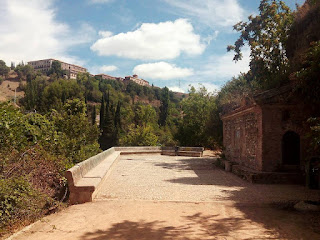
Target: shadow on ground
{"points": [[197, 227], [268, 208]]}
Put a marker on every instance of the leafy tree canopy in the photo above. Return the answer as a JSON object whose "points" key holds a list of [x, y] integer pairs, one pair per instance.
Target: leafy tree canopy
{"points": [[266, 35]]}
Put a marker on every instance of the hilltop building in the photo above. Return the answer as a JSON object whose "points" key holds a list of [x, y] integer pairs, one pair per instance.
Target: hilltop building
{"points": [[45, 65], [137, 80], [108, 77]]}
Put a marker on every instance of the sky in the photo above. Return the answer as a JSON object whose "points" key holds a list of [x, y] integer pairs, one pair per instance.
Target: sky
{"points": [[173, 43]]}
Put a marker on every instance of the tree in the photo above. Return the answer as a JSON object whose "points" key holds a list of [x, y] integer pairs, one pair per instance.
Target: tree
{"points": [[56, 69], [25, 72], [102, 109], [164, 107], [13, 66], [140, 136], [117, 117], [199, 118], [308, 77], [266, 34], [4, 70], [108, 136], [145, 115], [93, 115]]}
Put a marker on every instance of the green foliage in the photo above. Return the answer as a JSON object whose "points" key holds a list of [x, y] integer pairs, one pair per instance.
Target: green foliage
{"points": [[18, 202], [57, 70], [34, 93], [57, 93], [93, 115], [145, 115], [102, 110], [67, 133], [4, 70], [25, 72], [314, 135], [108, 136], [164, 108], [139, 136], [308, 78], [235, 90], [117, 117], [77, 137], [13, 129], [196, 128], [266, 35], [90, 87]]}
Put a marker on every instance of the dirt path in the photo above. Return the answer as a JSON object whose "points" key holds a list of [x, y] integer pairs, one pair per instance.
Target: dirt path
{"points": [[158, 197]]}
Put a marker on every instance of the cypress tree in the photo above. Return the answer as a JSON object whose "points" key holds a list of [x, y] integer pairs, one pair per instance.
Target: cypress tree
{"points": [[117, 117], [102, 116], [93, 115], [164, 107], [108, 138]]}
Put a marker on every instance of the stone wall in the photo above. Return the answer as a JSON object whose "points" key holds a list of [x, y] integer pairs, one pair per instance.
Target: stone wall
{"points": [[277, 120], [253, 136], [242, 137]]}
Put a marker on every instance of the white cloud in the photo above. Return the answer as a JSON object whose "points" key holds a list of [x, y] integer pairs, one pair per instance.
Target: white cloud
{"points": [[176, 89], [100, 1], [214, 13], [108, 68], [211, 37], [105, 34], [162, 71], [165, 40], [29, 31], [211, 87], [222, 68]]}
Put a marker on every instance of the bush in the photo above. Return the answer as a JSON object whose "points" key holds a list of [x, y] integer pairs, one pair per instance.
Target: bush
{"points": [[19, 202], [139, 136]]}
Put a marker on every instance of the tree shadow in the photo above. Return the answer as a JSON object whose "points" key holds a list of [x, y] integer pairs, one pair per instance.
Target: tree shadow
{"points": [[263, 204], [141, 230], [207, 173], [196, 227]]}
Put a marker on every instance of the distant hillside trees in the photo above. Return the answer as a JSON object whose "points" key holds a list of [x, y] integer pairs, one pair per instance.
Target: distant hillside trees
{"points": [[26, 72], [56, 70], [4, 70]]}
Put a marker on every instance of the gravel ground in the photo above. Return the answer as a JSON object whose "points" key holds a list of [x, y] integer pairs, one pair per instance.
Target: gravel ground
{"points": [[185, 179], [149, 197]]}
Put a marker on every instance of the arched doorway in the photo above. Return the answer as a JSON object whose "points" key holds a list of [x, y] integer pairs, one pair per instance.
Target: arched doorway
{"points": [[291, 148]]}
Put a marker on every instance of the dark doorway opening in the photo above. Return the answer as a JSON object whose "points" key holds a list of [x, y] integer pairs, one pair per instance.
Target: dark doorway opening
{"points": [[291, 148]]}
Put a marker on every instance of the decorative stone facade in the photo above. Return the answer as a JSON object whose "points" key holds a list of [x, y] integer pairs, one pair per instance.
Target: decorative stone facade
{"points": [[45, 65], [268, 134]]}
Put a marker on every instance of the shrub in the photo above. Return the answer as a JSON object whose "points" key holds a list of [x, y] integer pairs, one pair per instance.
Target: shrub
{"points": [[19, 202], [139, 136]]}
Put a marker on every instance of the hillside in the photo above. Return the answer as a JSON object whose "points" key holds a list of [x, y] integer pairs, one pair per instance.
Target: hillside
{"points": [[9, 86]]}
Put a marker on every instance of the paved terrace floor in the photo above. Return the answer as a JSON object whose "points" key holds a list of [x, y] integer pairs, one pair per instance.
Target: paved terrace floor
{"points": [[161, 197]]}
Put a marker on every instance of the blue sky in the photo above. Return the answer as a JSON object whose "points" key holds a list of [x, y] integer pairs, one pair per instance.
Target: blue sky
{"points": [[171, 43]]}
